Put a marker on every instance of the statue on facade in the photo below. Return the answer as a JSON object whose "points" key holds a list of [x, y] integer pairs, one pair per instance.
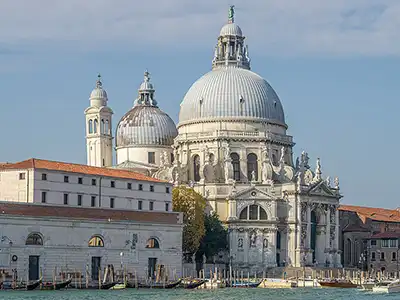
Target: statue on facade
{"points": [[227, 153], [304, 160], [166, 158], [176, 157], [328, 181], [253, 176], [162, 161], [265, 243], [336, 182], [253, 239], [240, 243], [297, 163], [231, 14], [282, 158]]}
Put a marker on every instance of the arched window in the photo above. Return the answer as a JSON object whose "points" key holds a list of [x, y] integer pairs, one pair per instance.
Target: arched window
{"points": [[90, 126], [236, 166], [96, 241], [252, 165], [96, 123], [152, 243], [102, 127], [253, 213], [107, 128], [34, 239], [196, 168]]}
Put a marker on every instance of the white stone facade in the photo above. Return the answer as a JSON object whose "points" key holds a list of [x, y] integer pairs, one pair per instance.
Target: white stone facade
{"points": [[64, 242], [57, 187]]}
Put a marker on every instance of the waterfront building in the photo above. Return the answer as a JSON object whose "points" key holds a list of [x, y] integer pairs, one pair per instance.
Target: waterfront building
{"points": [[369, 237], [48, 240], [64, 218]]}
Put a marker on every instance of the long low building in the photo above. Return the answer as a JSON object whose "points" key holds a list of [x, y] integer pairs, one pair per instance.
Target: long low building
{"points": [[59, 218], [43, 240]]}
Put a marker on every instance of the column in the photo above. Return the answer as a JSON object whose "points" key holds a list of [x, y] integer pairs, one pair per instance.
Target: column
{"points": [[232, 209], [328, 233], [336, 242], [308, 238]]}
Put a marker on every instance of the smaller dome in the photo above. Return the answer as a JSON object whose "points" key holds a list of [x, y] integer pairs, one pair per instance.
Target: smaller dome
{"points": [[231, 29], [98, 97]]}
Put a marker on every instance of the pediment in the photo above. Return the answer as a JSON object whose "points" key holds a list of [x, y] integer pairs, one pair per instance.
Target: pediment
{"points": [[252, 193], [322, 190]]}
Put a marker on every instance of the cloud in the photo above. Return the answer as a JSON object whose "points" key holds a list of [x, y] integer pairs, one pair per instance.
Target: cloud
{"points": [[291, 27]]}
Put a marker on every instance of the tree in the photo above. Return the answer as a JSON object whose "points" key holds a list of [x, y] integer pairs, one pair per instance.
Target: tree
{"points": [[215, 238], [192, 205]]}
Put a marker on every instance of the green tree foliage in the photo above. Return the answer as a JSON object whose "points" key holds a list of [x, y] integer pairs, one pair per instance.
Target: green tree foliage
{"points": [[215, 238], [192, 205]]}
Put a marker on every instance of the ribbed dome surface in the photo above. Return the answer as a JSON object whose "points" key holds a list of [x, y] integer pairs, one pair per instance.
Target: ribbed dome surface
{"points": [[98, 93], [231, 29], [231, 92], [145, 125]]}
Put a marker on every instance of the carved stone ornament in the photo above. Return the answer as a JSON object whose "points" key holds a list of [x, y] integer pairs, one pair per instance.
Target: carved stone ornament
{"points": [[304, 211], [332, 235], [253, 239], [240, 243], [303, 235], [308, 177], [332, 214]]}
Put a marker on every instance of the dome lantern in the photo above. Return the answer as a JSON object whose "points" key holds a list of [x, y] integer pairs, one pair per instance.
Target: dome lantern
{"points": [[231, 50], [98, 97]]}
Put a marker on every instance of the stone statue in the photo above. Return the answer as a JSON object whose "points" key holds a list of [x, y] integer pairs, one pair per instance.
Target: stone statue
{"points": [[328, 181], [215, 53], [162, 161], [253, 176], [166, 158], [253, 239], [231, 14], [240, 243], [227, 152], [265, 243], [318, 167], [204, 259], [176, 156], [282, 159], [264, 151], [176, 178], [297, 163], [336, 183]]}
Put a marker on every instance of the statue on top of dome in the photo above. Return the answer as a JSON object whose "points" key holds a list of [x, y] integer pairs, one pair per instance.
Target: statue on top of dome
{"points": [[98, 82], [146, 76], [231, 14]]}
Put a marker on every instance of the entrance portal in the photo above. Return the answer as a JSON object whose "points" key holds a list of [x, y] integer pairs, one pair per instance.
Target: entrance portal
{"points": [[152, 267], [96, 267], [33, 267]]}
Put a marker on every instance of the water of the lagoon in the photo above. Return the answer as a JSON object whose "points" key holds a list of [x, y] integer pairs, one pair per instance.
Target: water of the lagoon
{"points": [[180, 294]]}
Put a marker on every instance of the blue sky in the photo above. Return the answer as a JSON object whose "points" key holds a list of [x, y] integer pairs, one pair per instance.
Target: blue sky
{"points": [[334, 64]]}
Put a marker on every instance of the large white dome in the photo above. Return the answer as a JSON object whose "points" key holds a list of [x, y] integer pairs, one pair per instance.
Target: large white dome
{"points": [[231, 92]]}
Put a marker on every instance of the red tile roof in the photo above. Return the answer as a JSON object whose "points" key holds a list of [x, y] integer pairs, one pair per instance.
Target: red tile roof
{"points": [[386, 235], [35, 163], [372, 213], [93, 214]]}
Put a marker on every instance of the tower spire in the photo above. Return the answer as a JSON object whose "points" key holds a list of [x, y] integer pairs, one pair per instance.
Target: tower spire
{"points": [[231, 14]]}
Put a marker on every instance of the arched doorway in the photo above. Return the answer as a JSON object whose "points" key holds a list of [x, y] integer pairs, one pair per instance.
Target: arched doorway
{"points": [[313, 237]]}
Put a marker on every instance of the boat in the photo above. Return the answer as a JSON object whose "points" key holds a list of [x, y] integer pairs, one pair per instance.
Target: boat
{"points": [[56, 286], [367, 285], [213, 284], [118, 286], [159, 285], [107, 286], [388, 287], [29, 287], [246, 284], [192, 284], [335, 283]]}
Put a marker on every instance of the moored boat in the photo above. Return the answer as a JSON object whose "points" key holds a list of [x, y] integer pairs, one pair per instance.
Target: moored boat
{"points": [[337, 283], [107, 286], [367, 285], [56, 286], [246, 284], [192, 284], [118, 286], [388, 287], [29, 287], [159, 285]]}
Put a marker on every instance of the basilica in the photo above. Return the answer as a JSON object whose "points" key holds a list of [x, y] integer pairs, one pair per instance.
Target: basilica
{"points": [[231, 145]]}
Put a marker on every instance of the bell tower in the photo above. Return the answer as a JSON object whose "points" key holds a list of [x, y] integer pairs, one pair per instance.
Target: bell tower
{"points": [[98, 128]]}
